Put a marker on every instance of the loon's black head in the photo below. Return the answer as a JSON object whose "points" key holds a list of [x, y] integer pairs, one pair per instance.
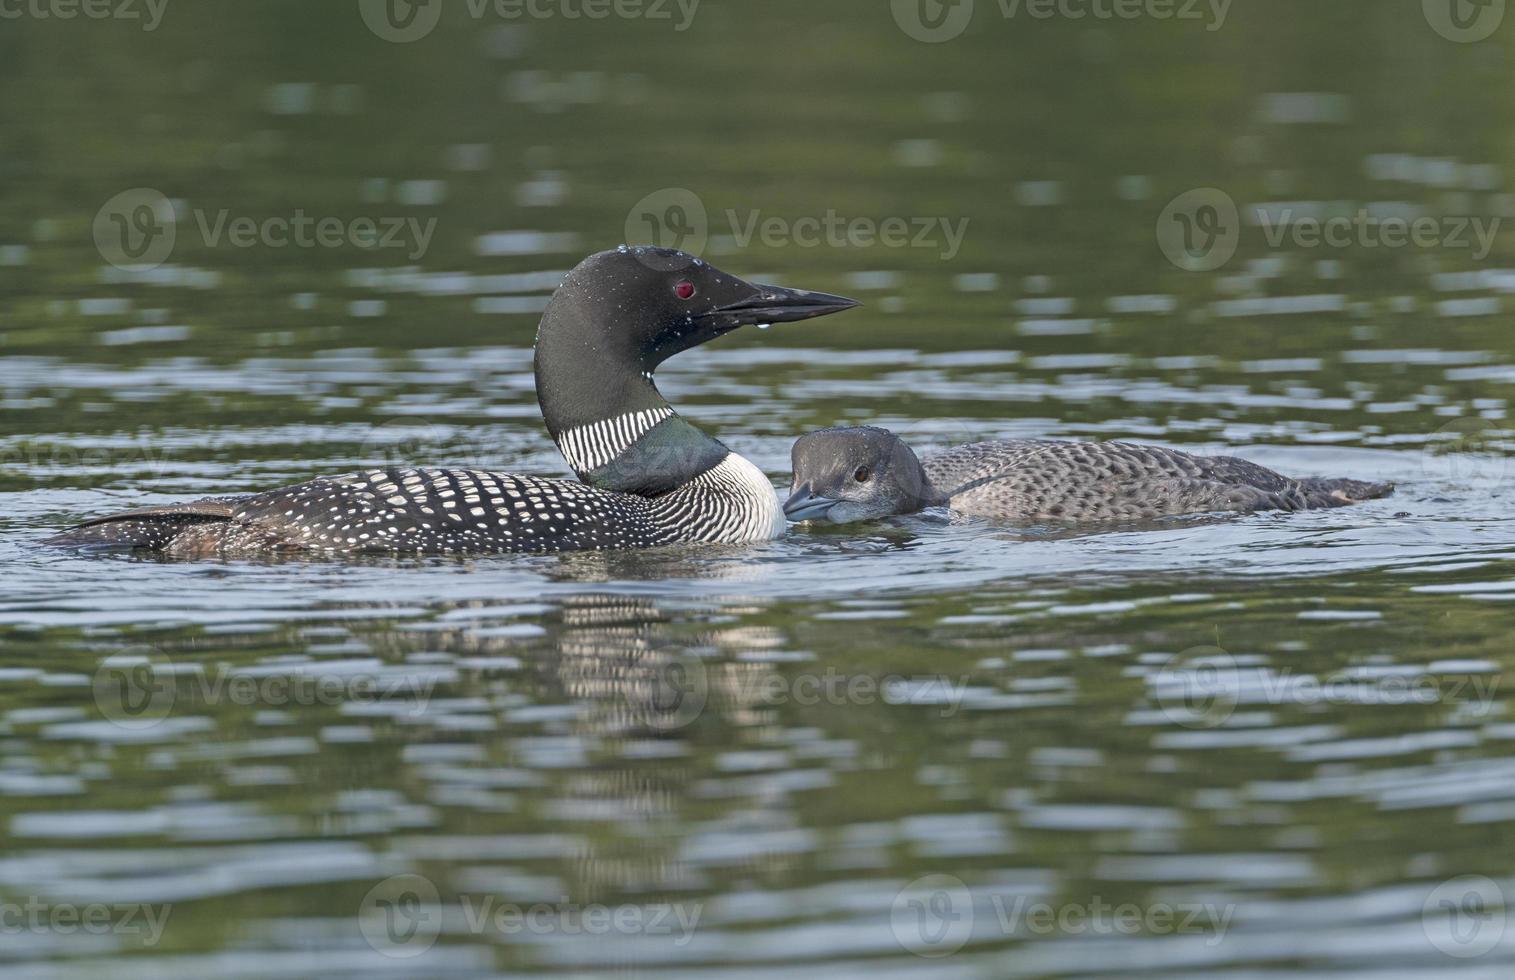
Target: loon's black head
{"points": [[616, 317], [641, 305], [855, 474]]}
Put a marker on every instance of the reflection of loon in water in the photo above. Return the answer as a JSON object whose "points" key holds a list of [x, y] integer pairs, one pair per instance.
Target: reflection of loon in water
{"points": [[618, 656], [645, 680], [650, 680], [859, 473]]}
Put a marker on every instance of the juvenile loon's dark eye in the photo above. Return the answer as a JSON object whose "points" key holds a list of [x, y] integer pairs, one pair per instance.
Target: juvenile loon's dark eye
{"points": [[684, 290], [863, 474]]}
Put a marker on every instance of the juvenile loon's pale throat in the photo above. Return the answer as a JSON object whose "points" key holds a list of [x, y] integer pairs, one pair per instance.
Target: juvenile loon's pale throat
{"points": [[649, 476]]}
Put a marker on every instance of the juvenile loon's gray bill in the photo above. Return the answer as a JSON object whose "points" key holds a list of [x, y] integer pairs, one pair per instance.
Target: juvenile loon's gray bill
{"points": [[803, 505]]}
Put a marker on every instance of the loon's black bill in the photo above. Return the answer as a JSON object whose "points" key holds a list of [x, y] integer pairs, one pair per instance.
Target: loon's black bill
{"points": [[778, 304], [803, 505]]}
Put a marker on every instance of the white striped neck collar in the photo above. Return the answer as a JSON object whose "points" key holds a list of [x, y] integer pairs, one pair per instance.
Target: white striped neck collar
{"points": [[590, 447], [646, 451]]}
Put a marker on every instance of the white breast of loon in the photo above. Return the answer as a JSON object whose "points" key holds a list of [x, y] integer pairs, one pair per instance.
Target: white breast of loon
{"points": [[733, 501]]}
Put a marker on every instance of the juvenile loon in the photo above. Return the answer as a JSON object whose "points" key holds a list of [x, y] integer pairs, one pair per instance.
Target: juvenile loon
{"points": [[649, 477], [859, 473]]}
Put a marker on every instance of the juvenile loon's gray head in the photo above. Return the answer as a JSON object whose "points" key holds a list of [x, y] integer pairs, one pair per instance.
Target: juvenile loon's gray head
{"points": [[855, 474], [616, 317]]}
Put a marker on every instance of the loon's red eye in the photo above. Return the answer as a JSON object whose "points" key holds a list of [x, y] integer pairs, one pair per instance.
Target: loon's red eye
{"points": [[684, 290]]}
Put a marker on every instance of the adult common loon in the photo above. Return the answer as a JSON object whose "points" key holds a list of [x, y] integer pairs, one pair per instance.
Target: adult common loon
{"points": [[649, 477], [859, 473]]}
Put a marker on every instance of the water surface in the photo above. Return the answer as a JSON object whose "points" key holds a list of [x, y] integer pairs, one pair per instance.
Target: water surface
{"points": [[1271, 745]]}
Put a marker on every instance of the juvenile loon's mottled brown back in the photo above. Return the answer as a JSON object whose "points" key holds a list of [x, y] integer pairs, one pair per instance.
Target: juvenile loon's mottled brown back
{"points": [[1032, 480]]}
